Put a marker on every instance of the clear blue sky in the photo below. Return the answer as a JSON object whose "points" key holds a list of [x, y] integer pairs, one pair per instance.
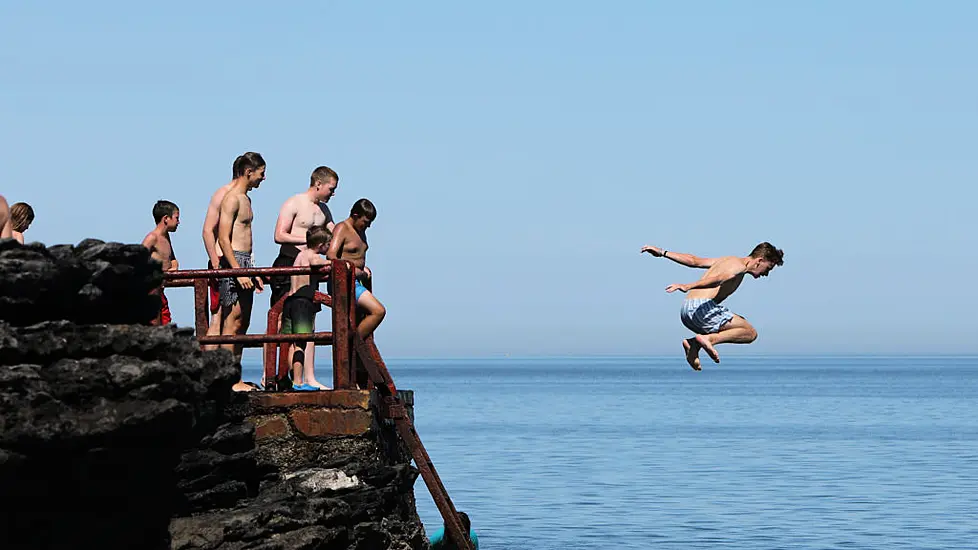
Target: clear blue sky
{"points": [[521, 153]]}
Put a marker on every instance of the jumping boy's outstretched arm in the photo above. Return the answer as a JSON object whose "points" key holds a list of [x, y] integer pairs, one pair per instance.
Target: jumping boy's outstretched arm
{"points": [[687, 260], [729, 269]]}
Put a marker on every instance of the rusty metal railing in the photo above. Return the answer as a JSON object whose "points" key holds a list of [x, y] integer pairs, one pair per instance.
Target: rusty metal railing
{"points": [[356, 361], [275, 359]]}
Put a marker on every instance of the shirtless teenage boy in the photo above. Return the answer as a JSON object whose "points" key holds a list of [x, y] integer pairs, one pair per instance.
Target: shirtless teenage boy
{"points": [[299, 311], [299, 214], [701, 310], [209, 234], [167, 217], [234, 236], [350, 243]]}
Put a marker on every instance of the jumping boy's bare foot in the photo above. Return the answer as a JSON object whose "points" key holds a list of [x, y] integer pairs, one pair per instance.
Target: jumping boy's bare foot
{"points": [[692, 348], [242, 386], [708, 347]]}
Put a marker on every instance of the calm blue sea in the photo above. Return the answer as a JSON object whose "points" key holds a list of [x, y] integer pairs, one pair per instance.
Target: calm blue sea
{"points": [[757, 453]]}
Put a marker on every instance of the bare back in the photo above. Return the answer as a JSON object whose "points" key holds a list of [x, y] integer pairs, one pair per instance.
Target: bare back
{"points": [[724, 290], [305, 258], [211, 224], [348, 244], [236, 218]]}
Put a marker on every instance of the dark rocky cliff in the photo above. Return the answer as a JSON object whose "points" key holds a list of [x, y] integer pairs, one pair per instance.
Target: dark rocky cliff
{"points": [[114, 434]]}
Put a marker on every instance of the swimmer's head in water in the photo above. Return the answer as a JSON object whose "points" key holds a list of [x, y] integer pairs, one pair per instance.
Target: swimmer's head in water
{"points": [[764, 258], [324, 180]]}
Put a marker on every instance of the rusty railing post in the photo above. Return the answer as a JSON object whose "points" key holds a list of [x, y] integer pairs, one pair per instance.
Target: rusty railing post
{"points": [[269, 358], [342, 290], [201, 310]]}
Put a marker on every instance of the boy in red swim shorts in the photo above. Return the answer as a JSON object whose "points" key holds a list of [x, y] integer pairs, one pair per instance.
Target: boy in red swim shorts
{"points": [[167, 217]]}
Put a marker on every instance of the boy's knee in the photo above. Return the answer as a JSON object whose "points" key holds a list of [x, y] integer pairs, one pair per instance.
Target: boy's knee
{"points": [[381, 311], [751, 334]]}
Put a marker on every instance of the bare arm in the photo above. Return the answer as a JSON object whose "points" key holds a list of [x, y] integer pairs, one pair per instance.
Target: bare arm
{"points": [[727, 272], [209, 232], [229, 213], [174, 264], [286, 216], [680, 258], [336, 243], [150, 242]]}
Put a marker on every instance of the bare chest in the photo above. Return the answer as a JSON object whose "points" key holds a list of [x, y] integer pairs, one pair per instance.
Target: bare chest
{"points": [[307, 216], [245, 214]]}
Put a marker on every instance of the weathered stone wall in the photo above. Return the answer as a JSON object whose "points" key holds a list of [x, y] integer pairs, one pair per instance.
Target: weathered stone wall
{"points": [[114, 434], [329, 475]]}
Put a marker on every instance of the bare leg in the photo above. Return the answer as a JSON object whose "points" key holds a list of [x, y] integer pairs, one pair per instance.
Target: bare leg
{"points": [[231, 325], [692, 348], [734, 331], [375, 314], [237, 322], [214, 329], [310, 367], [297, 379]]}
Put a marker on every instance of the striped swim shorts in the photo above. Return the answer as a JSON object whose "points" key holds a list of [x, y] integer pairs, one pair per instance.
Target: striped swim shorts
{"points": [[704, 316]]}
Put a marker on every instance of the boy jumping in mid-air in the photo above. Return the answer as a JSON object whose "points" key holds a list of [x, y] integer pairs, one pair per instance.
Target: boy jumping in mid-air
{"points": [[701, 310], [299, 309]]}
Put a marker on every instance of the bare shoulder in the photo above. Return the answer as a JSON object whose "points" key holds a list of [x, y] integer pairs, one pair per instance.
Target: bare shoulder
{"points": [[291, 203], [317, 259], [231, 200], [218, 197], [149, 241], [341, 228], [302, 258], [730, 264]]}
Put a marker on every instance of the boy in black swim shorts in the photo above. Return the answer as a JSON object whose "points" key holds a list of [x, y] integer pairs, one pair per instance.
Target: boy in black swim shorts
{"points": [[299, 310]]}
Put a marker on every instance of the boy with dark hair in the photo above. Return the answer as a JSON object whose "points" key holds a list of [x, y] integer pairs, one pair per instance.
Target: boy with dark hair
{"points": [[701, 310], [167, 217], [244, 163], [299, 310], [350, 243], [234, 238]]}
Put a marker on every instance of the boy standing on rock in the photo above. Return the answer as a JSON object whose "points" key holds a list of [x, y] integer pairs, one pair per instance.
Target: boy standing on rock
{"points": [[167, 217]]}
